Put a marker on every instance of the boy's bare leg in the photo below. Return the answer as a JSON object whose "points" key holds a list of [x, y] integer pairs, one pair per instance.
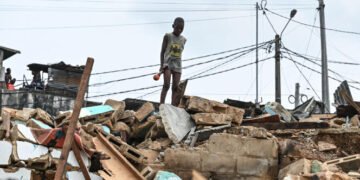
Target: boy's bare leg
{"points": [[175, 88], [166, 86]]}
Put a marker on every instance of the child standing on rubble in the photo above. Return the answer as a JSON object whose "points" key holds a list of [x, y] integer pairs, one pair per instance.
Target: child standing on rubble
{"points": [[170, 60]]}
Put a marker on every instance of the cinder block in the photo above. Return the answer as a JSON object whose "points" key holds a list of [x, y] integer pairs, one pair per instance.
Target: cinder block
{"points": [[243, 146], [183, 159], [236, 114], [127, 150], [252, 166], [347, 163], [144, 111], [263, 148], [148, 173], [218, 163], [226, 144]]}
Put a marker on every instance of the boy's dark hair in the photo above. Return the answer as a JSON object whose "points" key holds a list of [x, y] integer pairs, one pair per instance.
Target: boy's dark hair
{"points": [[179, 20]]}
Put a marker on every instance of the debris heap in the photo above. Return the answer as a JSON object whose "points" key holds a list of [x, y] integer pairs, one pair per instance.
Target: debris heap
{"points": [[200, 139]]}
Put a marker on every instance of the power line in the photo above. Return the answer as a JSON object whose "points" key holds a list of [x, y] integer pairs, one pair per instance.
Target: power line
{"points": [[296, 54], [175, 3], [203, 76], [303, 75], [121, 25], [186, 67], [231, 69], [317, 59], [185, 60], [309, 25], [307, 67]]}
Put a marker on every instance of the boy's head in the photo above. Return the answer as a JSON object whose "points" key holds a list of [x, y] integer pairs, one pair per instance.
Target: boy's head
{"points": [[178, 26], [8, 70]]}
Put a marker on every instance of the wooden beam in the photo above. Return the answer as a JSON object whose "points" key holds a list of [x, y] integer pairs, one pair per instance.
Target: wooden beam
{"points": [[296, 125], [83, 168], [73, 119]]}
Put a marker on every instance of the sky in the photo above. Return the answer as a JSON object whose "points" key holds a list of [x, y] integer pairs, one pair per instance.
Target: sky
{"points": [[126, 34]]}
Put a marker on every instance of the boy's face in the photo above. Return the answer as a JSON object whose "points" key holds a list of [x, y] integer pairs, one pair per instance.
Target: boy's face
{"points": [[178, 28]]}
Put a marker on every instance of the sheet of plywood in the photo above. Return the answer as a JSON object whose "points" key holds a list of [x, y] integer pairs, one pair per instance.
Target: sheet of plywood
{"points": [[118, 165]]}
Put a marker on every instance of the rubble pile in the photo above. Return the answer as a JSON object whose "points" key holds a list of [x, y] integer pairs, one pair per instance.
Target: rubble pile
{"points": [[200, 139]]}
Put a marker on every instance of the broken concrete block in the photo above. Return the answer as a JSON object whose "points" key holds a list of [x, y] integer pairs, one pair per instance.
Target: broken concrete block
{"points": [[25, 151], [127, 150], [299, 167], [211, 119], [150, 155], [139, 130], [148, 173], [127, 114], [6, 151], [236, 114], [23, 114], [355, 121], [219, 163], [157, 130], [119, 108], [274, 108], [324, 146], [243, 146], [44, 117], [250, 131], [249, 166], [176, 121], [347, 164], [78, 175], [183, 159], [121, 126], [144, 111], [5, 117], [202, 105], [19, 173]]}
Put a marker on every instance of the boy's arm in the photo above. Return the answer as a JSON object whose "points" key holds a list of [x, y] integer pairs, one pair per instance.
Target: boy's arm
{"points": [[162, 53]]}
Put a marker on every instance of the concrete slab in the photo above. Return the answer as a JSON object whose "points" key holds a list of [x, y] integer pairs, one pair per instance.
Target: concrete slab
{"points": [[22, 173], [26, 151], [177, 122], [6, 150], [77, 175]]}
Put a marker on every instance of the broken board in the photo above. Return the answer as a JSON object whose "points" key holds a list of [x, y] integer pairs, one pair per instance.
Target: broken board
{"points": [[118, 165]]}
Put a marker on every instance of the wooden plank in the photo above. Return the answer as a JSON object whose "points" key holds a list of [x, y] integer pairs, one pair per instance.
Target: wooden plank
{"points": [[120, 167], [296, 125], [83, 168], [73, 119], [262, 119]]}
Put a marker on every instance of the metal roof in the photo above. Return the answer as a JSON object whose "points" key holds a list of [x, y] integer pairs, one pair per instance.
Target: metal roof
{"points": [[8, 52]]}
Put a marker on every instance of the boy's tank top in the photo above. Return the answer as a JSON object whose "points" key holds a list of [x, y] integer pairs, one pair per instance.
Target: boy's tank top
{"points": [[173, 52]]}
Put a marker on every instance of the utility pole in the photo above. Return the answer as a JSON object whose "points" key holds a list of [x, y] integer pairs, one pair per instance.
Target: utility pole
{"points": [[297, 94], [257, 56], [324, 66], [277, 70]]}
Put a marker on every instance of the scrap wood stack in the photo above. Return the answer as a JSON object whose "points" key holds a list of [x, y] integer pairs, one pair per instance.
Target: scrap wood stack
{"points": [[220, 141]]}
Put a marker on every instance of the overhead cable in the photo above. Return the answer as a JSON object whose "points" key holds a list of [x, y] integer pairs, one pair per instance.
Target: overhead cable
{"points": [[309, 25], [203, 76], [120, 25], [185, 60]]}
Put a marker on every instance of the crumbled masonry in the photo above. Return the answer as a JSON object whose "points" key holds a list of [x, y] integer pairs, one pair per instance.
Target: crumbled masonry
{"points": [[200, 139]]}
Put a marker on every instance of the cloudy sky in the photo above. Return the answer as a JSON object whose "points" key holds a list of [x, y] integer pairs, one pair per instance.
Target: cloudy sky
{"points": [[122, 34]]}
